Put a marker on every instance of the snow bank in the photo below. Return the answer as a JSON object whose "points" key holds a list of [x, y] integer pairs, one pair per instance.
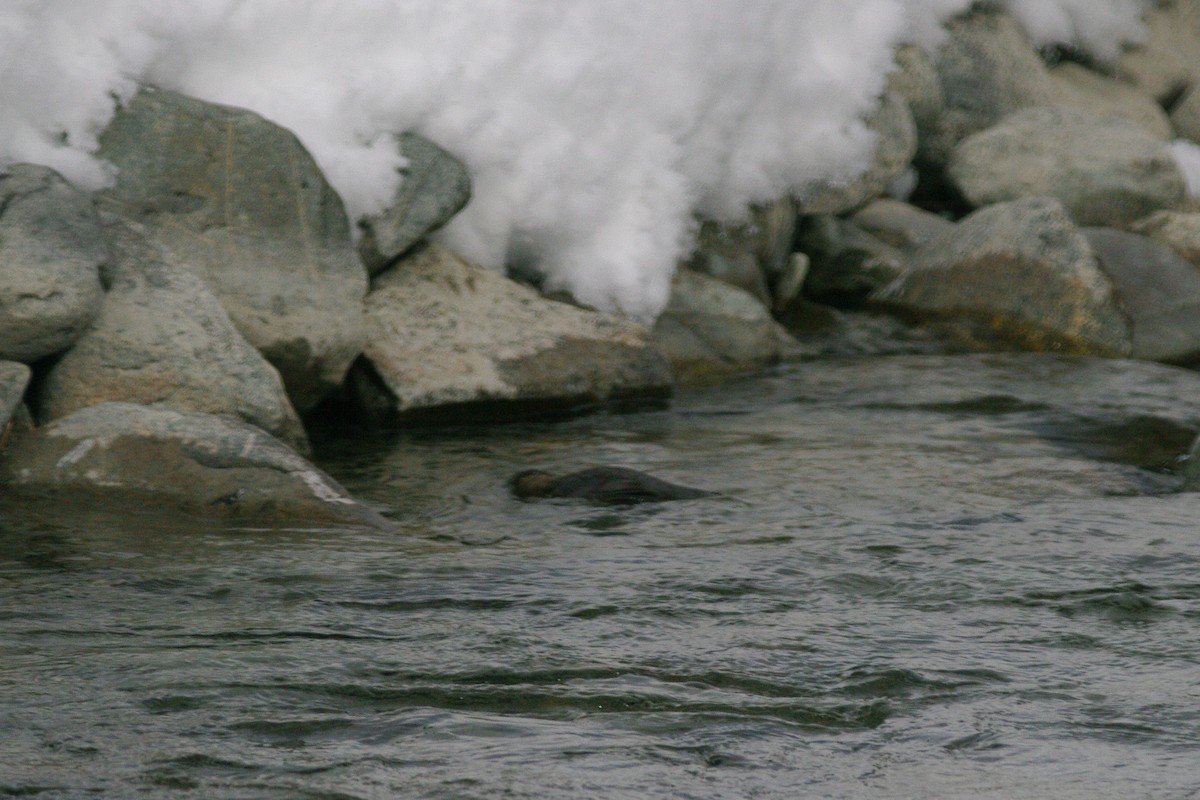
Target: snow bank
{"points": [[594, 129]]}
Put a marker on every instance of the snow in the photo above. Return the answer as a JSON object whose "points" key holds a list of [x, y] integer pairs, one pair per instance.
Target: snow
{"points": [[595, 130]]}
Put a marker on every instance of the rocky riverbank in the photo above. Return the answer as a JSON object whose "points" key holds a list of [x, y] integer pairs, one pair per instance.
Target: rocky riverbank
{"points": [[164, 340]]}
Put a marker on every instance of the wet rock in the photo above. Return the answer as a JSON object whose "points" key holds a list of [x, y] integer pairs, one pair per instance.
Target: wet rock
{"points": [[1021, 271], [14, 377], [1169, 57], [711, 330], [916, 81], [752, 255], [1159, 291], [51, 254], [447, 333], [162, 338], [988, 68], [120, 453], [1178, 230], [1078, 87], [1185, 116], [608, 485], [893, 122], [1106, 172], [847, 263], [900, 225], [239, 201], [790, 282], [435, 187]]}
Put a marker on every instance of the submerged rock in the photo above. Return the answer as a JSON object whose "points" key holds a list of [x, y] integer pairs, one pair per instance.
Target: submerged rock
{"points": [[447, 333], [162, 338], [1021, 271], [51, 254], [1157, 289], [435, 187], [239, 201], [610, 485], [711, 330], [1106, 171], [126, 454]]}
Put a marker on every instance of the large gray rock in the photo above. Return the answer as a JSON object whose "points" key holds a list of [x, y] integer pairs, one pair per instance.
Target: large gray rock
{"points": [[239, 201], [988, 68], [201, 464], [1185, 116], [897, 144], [1078, 87], [163, 339], [447, 333], [1106, 171], [1169, 57], [14, 377], [1159, 291], [1178, 230], [1021, 271], [711, 330], [434, 188], [51, 253], [847, 264]]}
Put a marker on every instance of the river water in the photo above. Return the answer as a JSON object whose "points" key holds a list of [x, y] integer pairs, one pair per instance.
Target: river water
{"points": [[926, 576]]}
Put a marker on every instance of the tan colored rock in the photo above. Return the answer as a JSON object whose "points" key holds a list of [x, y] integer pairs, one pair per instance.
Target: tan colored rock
{"points": [[443, 332], [1078, 87], [1185, 117]]}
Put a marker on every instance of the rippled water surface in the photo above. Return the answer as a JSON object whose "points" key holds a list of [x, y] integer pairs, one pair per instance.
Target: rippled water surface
{"points": [[927, 576]]}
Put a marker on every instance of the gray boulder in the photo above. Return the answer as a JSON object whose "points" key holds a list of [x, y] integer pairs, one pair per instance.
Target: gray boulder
{"points": [[447, 333], [1185, 116], [1020, 271], [900, 225], [1106, 171], [1178, 230], [711, 330], [434, 188], [1078, 87], [988, 68], [182, 461], [162, 338], [897, 144], [51, 254], [847, 264], [1159, 291], [240, 202], [14, 377]]}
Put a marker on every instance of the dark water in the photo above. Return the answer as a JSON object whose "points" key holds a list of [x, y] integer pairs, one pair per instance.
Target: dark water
{"points": [[929, 576]]}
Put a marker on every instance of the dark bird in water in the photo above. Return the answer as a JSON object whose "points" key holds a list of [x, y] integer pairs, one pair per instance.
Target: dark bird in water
{"points": [[614, 485]]}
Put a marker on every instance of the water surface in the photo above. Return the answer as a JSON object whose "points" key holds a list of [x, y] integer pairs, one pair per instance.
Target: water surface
{"points": [[927, 576]]}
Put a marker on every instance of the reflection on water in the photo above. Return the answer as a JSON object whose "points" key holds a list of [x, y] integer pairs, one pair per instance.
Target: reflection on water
{"points": [[925, 576]]}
